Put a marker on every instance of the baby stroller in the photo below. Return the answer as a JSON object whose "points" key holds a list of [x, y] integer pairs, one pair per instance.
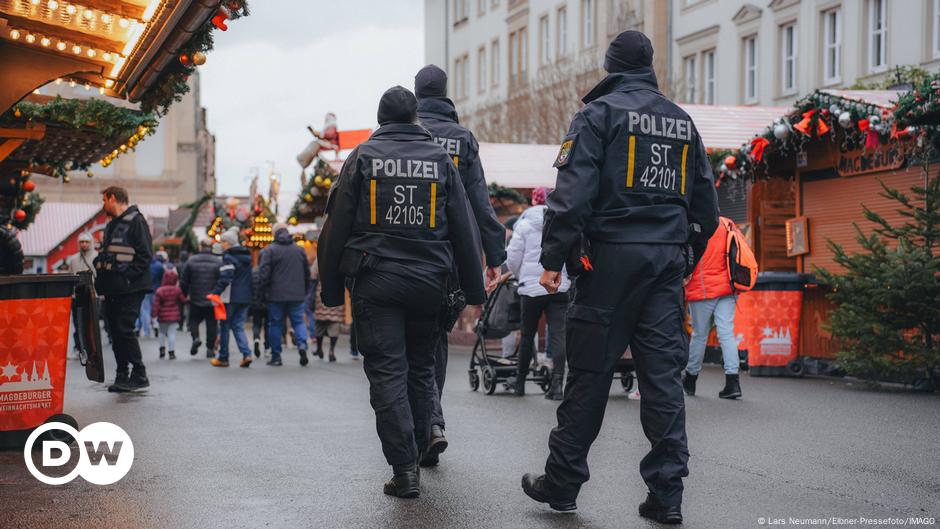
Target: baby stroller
{"points": [[501, 316]]}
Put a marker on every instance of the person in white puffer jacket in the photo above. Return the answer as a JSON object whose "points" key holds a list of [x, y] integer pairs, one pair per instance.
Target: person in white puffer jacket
{"points": [[523, 253]]}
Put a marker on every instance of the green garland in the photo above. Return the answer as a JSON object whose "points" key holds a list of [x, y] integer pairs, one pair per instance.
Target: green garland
{"points": [[314, 193], [922, 106], [506, 194], [173, 82], [30, 203]]}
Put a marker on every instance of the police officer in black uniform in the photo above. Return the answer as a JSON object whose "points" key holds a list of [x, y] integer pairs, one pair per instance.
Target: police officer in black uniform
{"points": [[634, 179], [123, 277], [438, 115], [397, 223]]}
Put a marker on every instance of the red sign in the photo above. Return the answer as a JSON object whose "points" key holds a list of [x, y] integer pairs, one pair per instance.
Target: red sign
{"points": [[767, 324], [33, 342]]}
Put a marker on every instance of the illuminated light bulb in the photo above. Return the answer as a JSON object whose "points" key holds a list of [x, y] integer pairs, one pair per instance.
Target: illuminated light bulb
{"points": [[45, 42], [36, 91], [53, 5], [30, 38], [101, 91], [58, 81], [109, 83], [15, 34], [124, 23], [70, 9], [87, 86], [106, 18], [106, 57], [35, 2], [88, 14], [72, 84], [60, 46], [91, 52], [76, 49]]}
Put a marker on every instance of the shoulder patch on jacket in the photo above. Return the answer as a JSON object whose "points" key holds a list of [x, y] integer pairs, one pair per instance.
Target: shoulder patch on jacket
{"points": [[564, 153]]}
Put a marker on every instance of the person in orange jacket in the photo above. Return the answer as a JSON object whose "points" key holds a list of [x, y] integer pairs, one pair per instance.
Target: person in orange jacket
{"points": [[710, 295]]}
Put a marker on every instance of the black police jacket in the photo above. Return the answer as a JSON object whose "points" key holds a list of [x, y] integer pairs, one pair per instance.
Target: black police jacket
{"points": [[439, 116], [398, 205], [632, 169], [123, 264]]}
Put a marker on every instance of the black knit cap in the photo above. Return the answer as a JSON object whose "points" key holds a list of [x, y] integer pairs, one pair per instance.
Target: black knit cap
{"points": [[398, 105], [430, 81], [628, 51]]}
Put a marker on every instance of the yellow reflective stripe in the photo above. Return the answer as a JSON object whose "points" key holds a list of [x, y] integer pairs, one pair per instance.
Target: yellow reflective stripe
{"points": [[434, 201], [630, 161], [456, 161], [372, 202], [685, 154]]}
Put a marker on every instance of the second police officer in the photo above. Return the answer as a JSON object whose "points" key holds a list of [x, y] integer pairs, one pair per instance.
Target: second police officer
{"points": [[438, 115], [397, 223], [634, 179]]}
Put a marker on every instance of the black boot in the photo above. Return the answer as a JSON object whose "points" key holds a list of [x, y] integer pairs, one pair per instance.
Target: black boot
{"points": [[556, 390], [257, 349], [172, 355], [162, 352], [536, 488], [435, 448], [732, 388], [405, 481], [120, 382], [195, 348], [303, 357], [688, 383], [138, 380], [652, 509], [518, 385]]}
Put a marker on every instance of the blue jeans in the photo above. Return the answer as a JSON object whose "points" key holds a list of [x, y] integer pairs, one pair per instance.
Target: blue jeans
{"points": [[311, 328], [144, 323], [236, 314], [277, 312], [702, 311]]}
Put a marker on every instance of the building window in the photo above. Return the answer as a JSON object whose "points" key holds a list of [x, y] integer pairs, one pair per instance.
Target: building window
{"points": [[481, 8], [708, 58], [460, 11], [936, 28], [613, 16], [481, 69], [689, 78], [878, 33], [750, 69], [563, 32], [513, 60], [832, 46], [587, 23], [465, 75], [544, 43], [461, 69], [494, 55], [523, 55], [788, 49]]}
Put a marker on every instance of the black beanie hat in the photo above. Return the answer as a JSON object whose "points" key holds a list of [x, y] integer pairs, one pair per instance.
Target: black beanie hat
{"points": [[628, 51], [430, 81], [398, 105]]}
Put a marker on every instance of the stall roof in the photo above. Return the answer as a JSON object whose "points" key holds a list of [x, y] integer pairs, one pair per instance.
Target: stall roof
{"points": [[881, 98], [57, 220], [727, 127]]}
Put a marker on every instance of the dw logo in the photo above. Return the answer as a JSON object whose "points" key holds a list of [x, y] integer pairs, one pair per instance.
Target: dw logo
{"points": [[105, 453]]}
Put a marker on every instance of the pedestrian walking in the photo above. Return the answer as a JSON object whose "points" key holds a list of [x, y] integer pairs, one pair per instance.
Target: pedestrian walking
{"points": [[234, 288], [326, 319], [145, 321], [168, 302], [200, 275], [259, 314], [523, 252], [123, 277], [711, 298], [398, 223], [438, 115], [634, 189], [285, 277]]}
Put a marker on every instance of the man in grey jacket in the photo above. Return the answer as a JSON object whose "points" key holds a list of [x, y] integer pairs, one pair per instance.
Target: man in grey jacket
{"points": [[285, 277]]}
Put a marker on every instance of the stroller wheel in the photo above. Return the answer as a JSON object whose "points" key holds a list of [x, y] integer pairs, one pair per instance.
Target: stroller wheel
{"points": [[545, 378], [489, 380], [474, 379], [626, 380]]}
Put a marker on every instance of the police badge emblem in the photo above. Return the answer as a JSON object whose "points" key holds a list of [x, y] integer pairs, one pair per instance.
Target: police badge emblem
{"points": [[564, 153]]}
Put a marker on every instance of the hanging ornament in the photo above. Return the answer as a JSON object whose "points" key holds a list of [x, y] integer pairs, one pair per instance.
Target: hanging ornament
{"points": [[308, 197], [292, 221], [723, 168], [90, 174], [186, 60], [318, 180], [66, 179], [731, 162], [781, 132], [863, 125], [845, 120], [233, 5], [220, 17], [835, 110], [199, 58], [29, 186], [19, 215], [327, 182], [874, 119]]}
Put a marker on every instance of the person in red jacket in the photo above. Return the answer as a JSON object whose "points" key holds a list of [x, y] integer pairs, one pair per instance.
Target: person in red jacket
{"points": [[168, 309], [710, 295]]}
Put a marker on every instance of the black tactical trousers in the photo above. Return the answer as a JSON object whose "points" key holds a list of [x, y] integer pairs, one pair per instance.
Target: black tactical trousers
{"points": [[198, 314], [121, 312], [440, 375], [634, 296], [395, 317]]}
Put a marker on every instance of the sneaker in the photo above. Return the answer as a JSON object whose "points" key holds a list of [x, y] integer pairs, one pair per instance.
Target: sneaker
{"points": [[219, 363], [303, 357], [172, 355], [195, 348], [246, 362], [274, 361]]}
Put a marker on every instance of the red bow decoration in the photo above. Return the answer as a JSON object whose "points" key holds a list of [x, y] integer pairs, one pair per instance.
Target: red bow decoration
{"points": [[862, 125], [758, 145], [220, 17], [803, 126], [871, 140]]}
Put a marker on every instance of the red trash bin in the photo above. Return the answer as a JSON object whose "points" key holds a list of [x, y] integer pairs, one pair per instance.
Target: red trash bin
{"points": [[767, 324], [34, 328]]}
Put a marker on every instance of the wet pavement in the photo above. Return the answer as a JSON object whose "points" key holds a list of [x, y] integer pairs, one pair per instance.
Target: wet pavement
{"points": [[296, 447]]}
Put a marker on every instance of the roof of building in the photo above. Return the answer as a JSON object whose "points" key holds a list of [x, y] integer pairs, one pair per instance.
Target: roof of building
{"points": [[57, 220]]}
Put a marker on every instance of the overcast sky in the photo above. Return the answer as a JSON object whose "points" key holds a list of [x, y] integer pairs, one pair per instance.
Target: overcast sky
{"points": [[292, 61]]}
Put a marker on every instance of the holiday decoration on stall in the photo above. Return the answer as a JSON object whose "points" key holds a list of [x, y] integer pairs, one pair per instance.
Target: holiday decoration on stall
{"points": [[19, 201], [260, 233], [917, 116], [311, 202]]}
